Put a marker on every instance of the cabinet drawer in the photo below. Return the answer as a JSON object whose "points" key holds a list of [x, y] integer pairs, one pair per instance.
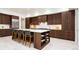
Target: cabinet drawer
{"points": [[5, 32], [69, 35], [56, 34]]}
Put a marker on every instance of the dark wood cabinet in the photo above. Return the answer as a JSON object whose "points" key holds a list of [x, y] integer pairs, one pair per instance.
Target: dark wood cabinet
{"points": [[69, 35], [0, 18], [67, 20], [5, 32], [34, 21], [5, 19], [41, 41], [27, 22], [42, 18], [15, 17], [56, 34], [68, 24], [54, 19]]}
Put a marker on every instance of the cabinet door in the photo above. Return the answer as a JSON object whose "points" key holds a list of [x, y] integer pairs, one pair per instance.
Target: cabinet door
{"points": [[5, 32], [9, 31], [57, 18], [0, 33], [50, 19], [56, 34], [52, 33], [69, 35], [6, 19], [0, 18], [34, 21], [68, 24], [42, 18], [27, 22], [68, 21], [54, 19]]}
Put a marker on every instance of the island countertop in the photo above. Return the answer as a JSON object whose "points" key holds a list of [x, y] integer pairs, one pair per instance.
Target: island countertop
{"points": [[34, 30]]}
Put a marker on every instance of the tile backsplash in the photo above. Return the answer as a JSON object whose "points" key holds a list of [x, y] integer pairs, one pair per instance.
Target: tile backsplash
{"points": [[4, 26]]}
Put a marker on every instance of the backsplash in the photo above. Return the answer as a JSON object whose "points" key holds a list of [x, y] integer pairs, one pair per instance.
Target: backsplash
{"points": [[55, 27], [4, 26], [41, 25], [46, 26]]}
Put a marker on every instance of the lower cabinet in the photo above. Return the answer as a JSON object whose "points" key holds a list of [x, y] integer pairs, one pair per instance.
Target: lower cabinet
{"points": [[68, 35], [56, 34], [5, 32]]}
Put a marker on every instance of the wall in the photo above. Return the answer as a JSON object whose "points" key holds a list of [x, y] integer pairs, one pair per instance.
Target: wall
{"points": [[22, 23], [78, 27]]}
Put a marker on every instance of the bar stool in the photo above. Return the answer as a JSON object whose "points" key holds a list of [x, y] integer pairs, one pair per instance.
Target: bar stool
{"points": [[19, 36], [28, 35], [14, 34]]}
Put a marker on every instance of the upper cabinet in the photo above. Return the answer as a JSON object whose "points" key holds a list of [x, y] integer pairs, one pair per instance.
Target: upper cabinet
{"points": [[5, 19], [37, 20], [27, 22], [54, 19], [42, 18], [68, 20], [34, 21], [15, 17], [0, 18]]}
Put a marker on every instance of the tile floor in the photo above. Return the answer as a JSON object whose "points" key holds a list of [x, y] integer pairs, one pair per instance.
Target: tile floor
{"points": [[6, 43]]}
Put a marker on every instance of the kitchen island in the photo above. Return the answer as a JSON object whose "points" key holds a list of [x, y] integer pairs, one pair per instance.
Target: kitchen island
{"points": [[41, 37]]}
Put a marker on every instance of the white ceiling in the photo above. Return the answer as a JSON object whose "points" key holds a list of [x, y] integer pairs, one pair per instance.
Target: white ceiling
{"points": [[29, 12], [34, 11]]}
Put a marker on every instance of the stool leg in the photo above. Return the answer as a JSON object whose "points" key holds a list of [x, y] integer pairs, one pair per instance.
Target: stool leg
{"points": [[12, 35], [18, 37], [29, 41], [25, 40]]}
